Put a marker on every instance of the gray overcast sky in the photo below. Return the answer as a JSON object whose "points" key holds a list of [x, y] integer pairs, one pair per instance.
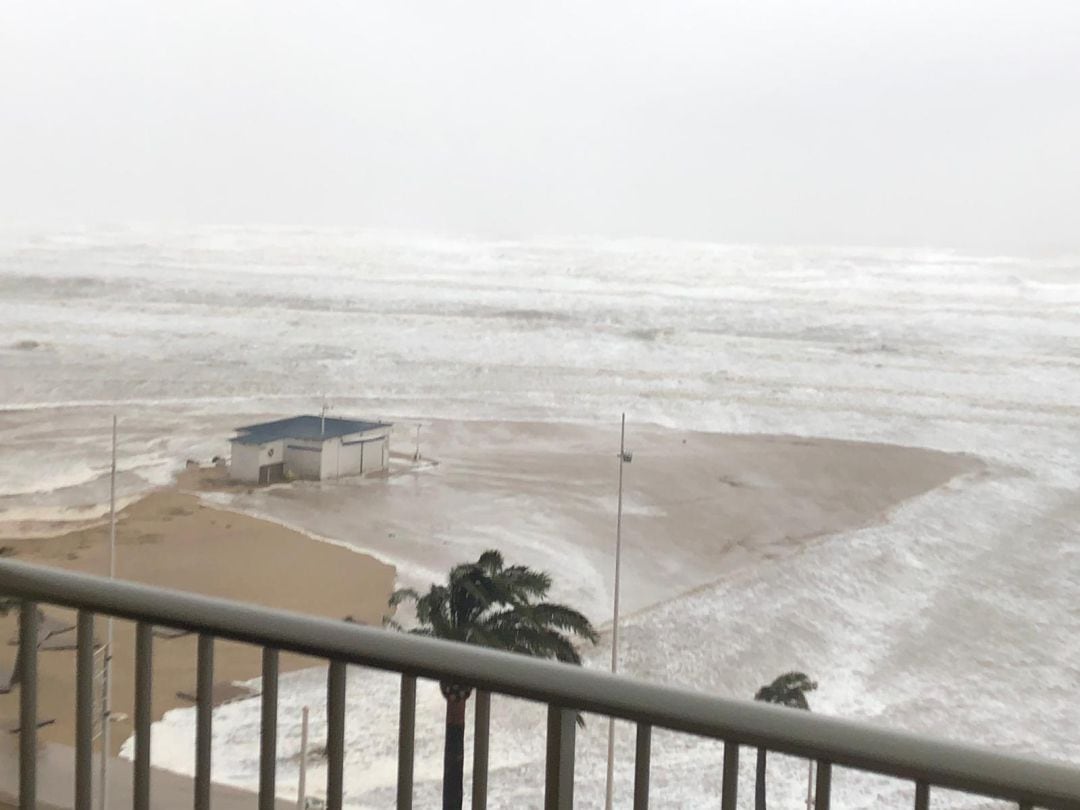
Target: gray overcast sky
{"points": [[905, 122]]}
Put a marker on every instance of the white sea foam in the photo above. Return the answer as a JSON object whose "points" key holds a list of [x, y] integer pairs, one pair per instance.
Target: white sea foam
{"points": [[956, 617]]}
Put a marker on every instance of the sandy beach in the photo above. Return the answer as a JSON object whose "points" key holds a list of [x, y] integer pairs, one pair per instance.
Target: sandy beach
{"points": [[170, 539]]}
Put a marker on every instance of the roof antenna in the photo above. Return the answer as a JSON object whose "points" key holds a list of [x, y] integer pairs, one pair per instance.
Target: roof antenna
{"points": [[325, 408]]}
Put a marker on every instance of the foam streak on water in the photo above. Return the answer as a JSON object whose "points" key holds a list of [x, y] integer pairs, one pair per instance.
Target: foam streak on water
{"points": [[957, 617]]}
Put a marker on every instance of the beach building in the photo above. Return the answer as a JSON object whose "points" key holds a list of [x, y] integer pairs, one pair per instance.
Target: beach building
{"points": [[310, 447]]}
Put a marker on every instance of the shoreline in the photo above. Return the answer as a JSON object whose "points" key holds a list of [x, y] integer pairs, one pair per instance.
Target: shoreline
{"points": [[258, 502], [800, 542], [56, 524], [293, 527], [697, 503], [171, 538]]}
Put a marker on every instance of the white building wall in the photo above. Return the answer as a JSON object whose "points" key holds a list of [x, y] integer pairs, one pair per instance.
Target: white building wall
{"points": [[303, 459], [363, 453], [372, 461], [246, 459], [314, 459], [244, 462], [331, 452], [349, 460]]}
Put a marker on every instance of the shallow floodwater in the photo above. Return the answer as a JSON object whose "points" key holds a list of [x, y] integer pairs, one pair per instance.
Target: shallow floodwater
{"points": [[955, 617]]}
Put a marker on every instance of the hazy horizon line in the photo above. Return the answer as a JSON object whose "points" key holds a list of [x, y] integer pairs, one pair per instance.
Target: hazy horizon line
{"points": [[1050, 253]]}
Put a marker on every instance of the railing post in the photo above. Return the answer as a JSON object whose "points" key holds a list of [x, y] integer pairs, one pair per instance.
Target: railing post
{"points": [[824, 785], [729, 790], [27, 674], [335, 735], [84, 711], [268, 729], [559, 788], [144, 674], [922, 796], [641, 766], [204, 714], [481, 730], [406, 738]]}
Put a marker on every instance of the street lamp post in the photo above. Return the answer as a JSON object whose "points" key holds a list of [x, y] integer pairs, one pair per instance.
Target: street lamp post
{"points": [[625, 457], [106, 674]]}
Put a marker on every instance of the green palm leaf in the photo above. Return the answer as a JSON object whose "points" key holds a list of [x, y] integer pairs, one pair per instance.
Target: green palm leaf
{"points": [[490, 604]]}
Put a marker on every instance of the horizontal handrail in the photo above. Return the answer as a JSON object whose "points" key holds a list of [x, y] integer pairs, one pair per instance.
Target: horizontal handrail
{"points": [[803, 734]]}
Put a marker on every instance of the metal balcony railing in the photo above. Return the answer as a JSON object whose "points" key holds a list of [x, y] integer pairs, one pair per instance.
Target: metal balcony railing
{"points": [[829, 742]]}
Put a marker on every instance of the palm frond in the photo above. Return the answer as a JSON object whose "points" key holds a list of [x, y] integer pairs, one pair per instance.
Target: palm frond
{"points": [[525, 582], [483, 591], [433, 610], [560, 648], [543, 643], [561, 617], [493, 605], [401, 594], [491, 561], [494, 638]]}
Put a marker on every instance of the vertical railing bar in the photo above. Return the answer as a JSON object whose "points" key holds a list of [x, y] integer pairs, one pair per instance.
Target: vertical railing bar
{"points": [[824, 785], [144, 673], [481, 732], [559, 781], [642, 758], [335, 735], [922, 796], [84, 711], [568, 758], [729, 791], [551, 761], [204, 714], [27, 675], [406, 741], [268, 730]]}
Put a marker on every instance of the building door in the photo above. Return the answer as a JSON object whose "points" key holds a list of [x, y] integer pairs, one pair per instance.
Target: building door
{"points": [[372, 458], [272, 473]]}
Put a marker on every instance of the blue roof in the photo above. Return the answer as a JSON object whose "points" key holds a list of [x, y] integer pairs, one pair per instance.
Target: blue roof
{"points": [[303, 427]]}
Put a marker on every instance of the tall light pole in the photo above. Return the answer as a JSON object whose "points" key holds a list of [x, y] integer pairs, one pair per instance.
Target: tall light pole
{"points": [[624, 458], [301, 790], [106, 686]]}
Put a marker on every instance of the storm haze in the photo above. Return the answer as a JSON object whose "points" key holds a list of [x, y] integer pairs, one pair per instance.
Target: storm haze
{"points": [[950, 124]]}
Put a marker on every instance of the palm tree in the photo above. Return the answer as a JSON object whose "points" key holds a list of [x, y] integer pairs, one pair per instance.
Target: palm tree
{"points": [[788, 690], [493, 605]]}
